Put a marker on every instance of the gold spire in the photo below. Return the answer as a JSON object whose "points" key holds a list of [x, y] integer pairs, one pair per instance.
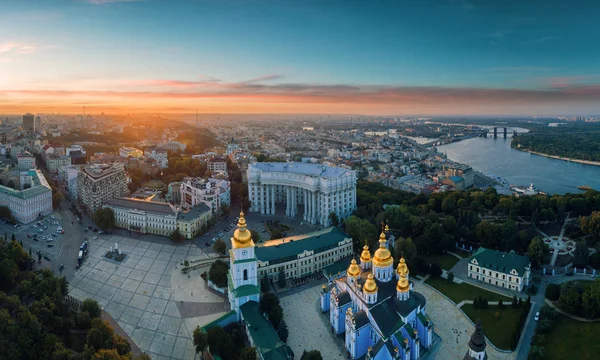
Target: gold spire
{"points": [[402, 269], [365, 256], [382, 257], [242, 237], [353, 269], [370, 285], [387, 228]]}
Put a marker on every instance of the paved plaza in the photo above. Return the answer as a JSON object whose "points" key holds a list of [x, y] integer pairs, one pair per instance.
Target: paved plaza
{"points": [[309, 328], [154, 303]]}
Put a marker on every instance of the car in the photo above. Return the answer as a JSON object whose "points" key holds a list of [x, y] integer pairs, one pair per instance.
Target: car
{"points": [[537, 316], [95, 230], [95, 238], [36, 239], [53, 217], [41, 230], [35, 226], [100, 232], [54, 235], [29, 236], [86, 230]]}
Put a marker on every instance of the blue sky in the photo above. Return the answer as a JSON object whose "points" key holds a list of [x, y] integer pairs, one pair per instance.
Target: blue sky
{"points": [[111, 52]]}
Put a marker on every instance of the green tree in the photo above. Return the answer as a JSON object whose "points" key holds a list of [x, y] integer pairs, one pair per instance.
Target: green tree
{"points": [[570, 298], [537, 251], [248, 353], [282, 331], [8, 273], [405, 247], [218, 273], [311, 355], [220, 247], [450, 276], [255, 236], [552, 292], [333, 218], [200, 340], [107, 354], [105, 218], [590, 225], [282, 281], [91, 307], [100, 336], [220, 342], [267, 301], [176, 236], [435, 270], [264, 283], [536, 353], [14, 238], [580, 254]]}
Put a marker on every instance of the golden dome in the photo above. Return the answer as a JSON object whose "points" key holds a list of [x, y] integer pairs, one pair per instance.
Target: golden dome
{"points": [[353, 269], [365, 256], [387, 228], [242, 237], [402, 285], [370, 285], [382, 257], [402, 269]]}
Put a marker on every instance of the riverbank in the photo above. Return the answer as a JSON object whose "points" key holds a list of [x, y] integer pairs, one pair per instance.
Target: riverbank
{"points": [[587, 162]]}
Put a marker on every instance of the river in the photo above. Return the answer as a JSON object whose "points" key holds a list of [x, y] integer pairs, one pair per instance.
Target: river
{"points": [[521, 168]]}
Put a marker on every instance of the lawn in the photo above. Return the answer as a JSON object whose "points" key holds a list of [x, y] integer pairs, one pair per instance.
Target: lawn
{"points": [[571, 339], [499, 330], [446, 261], [459, 292]]}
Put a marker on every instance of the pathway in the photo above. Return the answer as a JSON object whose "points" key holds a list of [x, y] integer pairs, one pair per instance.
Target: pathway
{"points": [[574, 317]]}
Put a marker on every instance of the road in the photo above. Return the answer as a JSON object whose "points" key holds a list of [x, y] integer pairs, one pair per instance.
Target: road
{"points": [[538, 302]]}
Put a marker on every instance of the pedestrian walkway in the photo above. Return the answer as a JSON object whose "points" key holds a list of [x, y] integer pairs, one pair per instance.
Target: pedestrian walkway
{"points": [[147, 295]]}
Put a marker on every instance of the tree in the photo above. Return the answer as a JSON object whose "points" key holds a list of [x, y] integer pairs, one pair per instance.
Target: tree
{"points": [[14, 238], [276, 315], [218, 273], [435, 270], [536, 353], [91, 307], [105, 218], [500, 304], [590, 225], [580, 254], [450, 276], [267, 301], [107, 354], [333, 218], [282, 282], [220, 342], [176, 236], [248, 353], [56, 198], [537, 251], [405, 247], [570, 298], [282, 331], [220, 247], [552, 292], [311, 355], [255, 236], [200, 340], [264, 283], [8, 272], [100, 336]]}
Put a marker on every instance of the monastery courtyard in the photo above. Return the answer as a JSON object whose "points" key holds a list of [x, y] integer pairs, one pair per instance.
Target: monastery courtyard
{"points": [[149, 297], [310, 329]]}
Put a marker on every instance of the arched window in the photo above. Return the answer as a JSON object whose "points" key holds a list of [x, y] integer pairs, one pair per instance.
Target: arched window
{"points": [[245, 274]]}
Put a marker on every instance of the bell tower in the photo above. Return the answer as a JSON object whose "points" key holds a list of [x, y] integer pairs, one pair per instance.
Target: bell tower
{"points": [[243, 263]]}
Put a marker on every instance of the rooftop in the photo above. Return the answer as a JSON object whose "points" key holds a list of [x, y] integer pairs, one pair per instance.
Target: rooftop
{"points": [[294, 245], [263, 334], [193, 213], [100, 170], [300, 168], [142, 205], [501, 261]]}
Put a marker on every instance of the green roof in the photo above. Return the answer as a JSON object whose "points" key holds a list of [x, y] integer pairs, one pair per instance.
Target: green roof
{"points": [[339, 266], [501, 261], [424, 320], [263, 334], [217, 321], [244, 290], [291, 246], [410, 331]]}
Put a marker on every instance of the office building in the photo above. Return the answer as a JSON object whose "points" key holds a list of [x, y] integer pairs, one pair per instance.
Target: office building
{"points": [[98, 183], [217, 164], [26, 161], [214, 193], [28, 122]]}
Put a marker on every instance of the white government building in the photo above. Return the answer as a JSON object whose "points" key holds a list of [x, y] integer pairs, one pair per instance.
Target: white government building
{"points": [[319, 189]]}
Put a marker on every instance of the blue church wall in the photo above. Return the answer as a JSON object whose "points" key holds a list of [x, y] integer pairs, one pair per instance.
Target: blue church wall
{"points": [[363, 341], [325, 299], [424, 334], [383, 354]]}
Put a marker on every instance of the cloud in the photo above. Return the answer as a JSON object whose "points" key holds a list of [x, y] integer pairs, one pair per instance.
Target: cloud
{"points": [[570, 81], [520, 68], [264, 78]]}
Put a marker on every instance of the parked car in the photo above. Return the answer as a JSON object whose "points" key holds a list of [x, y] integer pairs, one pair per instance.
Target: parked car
{"points": [[537, 316]]}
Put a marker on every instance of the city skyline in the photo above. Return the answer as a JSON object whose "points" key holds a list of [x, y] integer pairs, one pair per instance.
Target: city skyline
{"points": [[383, 58]]}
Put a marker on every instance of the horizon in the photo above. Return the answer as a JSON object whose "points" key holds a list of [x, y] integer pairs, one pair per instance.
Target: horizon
{"points": [[454, 58]]}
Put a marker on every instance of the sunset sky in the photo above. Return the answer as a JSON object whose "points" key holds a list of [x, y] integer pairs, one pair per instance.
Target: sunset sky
{"points": [[419, 57]]}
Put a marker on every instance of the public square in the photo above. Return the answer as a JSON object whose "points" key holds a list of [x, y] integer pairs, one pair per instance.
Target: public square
{"points": [[310, 329], [149, 297]]}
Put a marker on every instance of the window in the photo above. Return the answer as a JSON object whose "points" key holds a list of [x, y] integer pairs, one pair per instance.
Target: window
{"points": [[245, 274]]}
